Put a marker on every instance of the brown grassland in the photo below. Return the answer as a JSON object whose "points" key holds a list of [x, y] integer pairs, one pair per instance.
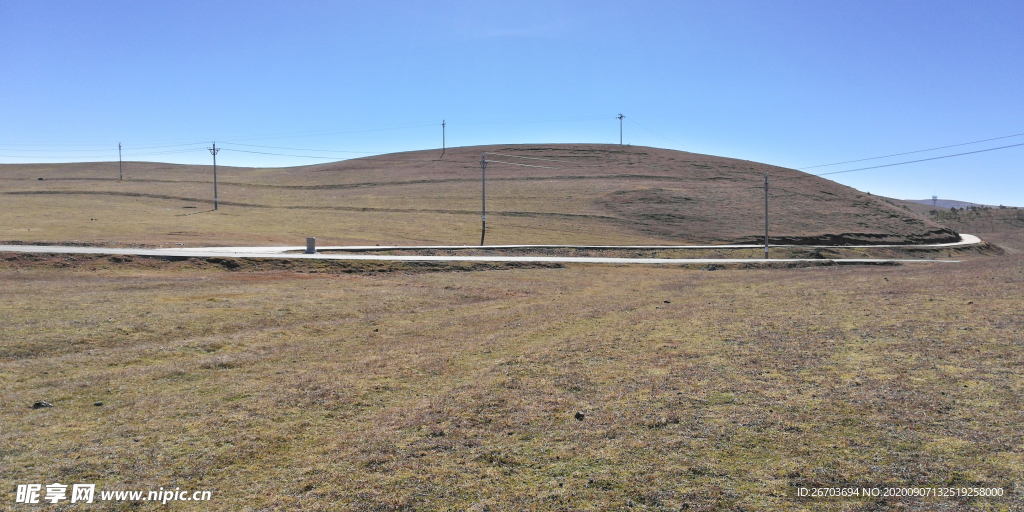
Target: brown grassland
{"points": [[583, 194], [393, 386]]}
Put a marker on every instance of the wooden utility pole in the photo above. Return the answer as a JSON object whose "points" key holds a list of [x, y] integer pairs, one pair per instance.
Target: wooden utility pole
{"points": [[620, 128], [442, 138], [765, 215], [120, 173], [214, 151], [483, 197]]}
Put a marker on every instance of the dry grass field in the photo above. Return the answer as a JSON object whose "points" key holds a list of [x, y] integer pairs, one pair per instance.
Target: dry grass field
{"points": [[315, 385], [421, 389], [582, 194]]}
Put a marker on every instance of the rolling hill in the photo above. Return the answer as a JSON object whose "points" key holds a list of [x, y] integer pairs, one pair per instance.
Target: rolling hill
{"points": [[537, 193]]}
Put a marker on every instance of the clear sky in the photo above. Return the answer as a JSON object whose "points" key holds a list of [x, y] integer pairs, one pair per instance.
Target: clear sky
{"points": [[789, 83]]}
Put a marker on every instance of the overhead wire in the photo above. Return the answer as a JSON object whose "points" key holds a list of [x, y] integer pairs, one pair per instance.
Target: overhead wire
{"points": [[167, 145], [41, 152], [165, 152], [549, 120], [301, 149], [900, 163], [271, 136], [329, 132], [112, 155], [106, 150], [129, 150], [912, 152], [278, 154], [649, 130]]}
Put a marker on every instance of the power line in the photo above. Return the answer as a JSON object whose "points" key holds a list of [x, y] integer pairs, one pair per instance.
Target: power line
{"points": [[82, 150], [911, 152], [53, 144], [106, 144], [95, 158], [330, 132], [165, 152], [301, 149], [171, 145], [651, 131], [903, 163], [278, 154], [530, 121], [52, 157], [40, 150], [254, 137], [923, 159], [409, 126]]}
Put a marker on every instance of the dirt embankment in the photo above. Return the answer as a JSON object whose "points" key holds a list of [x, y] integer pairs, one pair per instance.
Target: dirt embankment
{"points": [[95, 262]]}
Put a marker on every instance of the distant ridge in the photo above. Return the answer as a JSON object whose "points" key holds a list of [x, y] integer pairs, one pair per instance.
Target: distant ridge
{"points": [[949, 203]]}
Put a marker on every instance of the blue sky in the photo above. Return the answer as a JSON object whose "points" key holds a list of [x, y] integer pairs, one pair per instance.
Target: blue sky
{"points": [[795, 84]]}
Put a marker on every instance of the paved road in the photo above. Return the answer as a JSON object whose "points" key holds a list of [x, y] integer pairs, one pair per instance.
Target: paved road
{"points": [[964, 240], [292, 253]]}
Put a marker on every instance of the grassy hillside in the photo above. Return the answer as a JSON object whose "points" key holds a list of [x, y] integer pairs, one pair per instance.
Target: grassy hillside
{"points": [[573, 193], [1003, 226]]}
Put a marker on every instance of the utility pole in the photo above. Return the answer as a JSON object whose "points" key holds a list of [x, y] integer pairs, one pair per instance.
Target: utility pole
{"points": [[120, 173], [620, 128], [765, 215], [442, 138], [483, 197], [214, 151]]}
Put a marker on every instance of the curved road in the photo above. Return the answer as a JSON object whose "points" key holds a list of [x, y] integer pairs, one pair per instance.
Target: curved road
{"points": [[293, 253]]}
